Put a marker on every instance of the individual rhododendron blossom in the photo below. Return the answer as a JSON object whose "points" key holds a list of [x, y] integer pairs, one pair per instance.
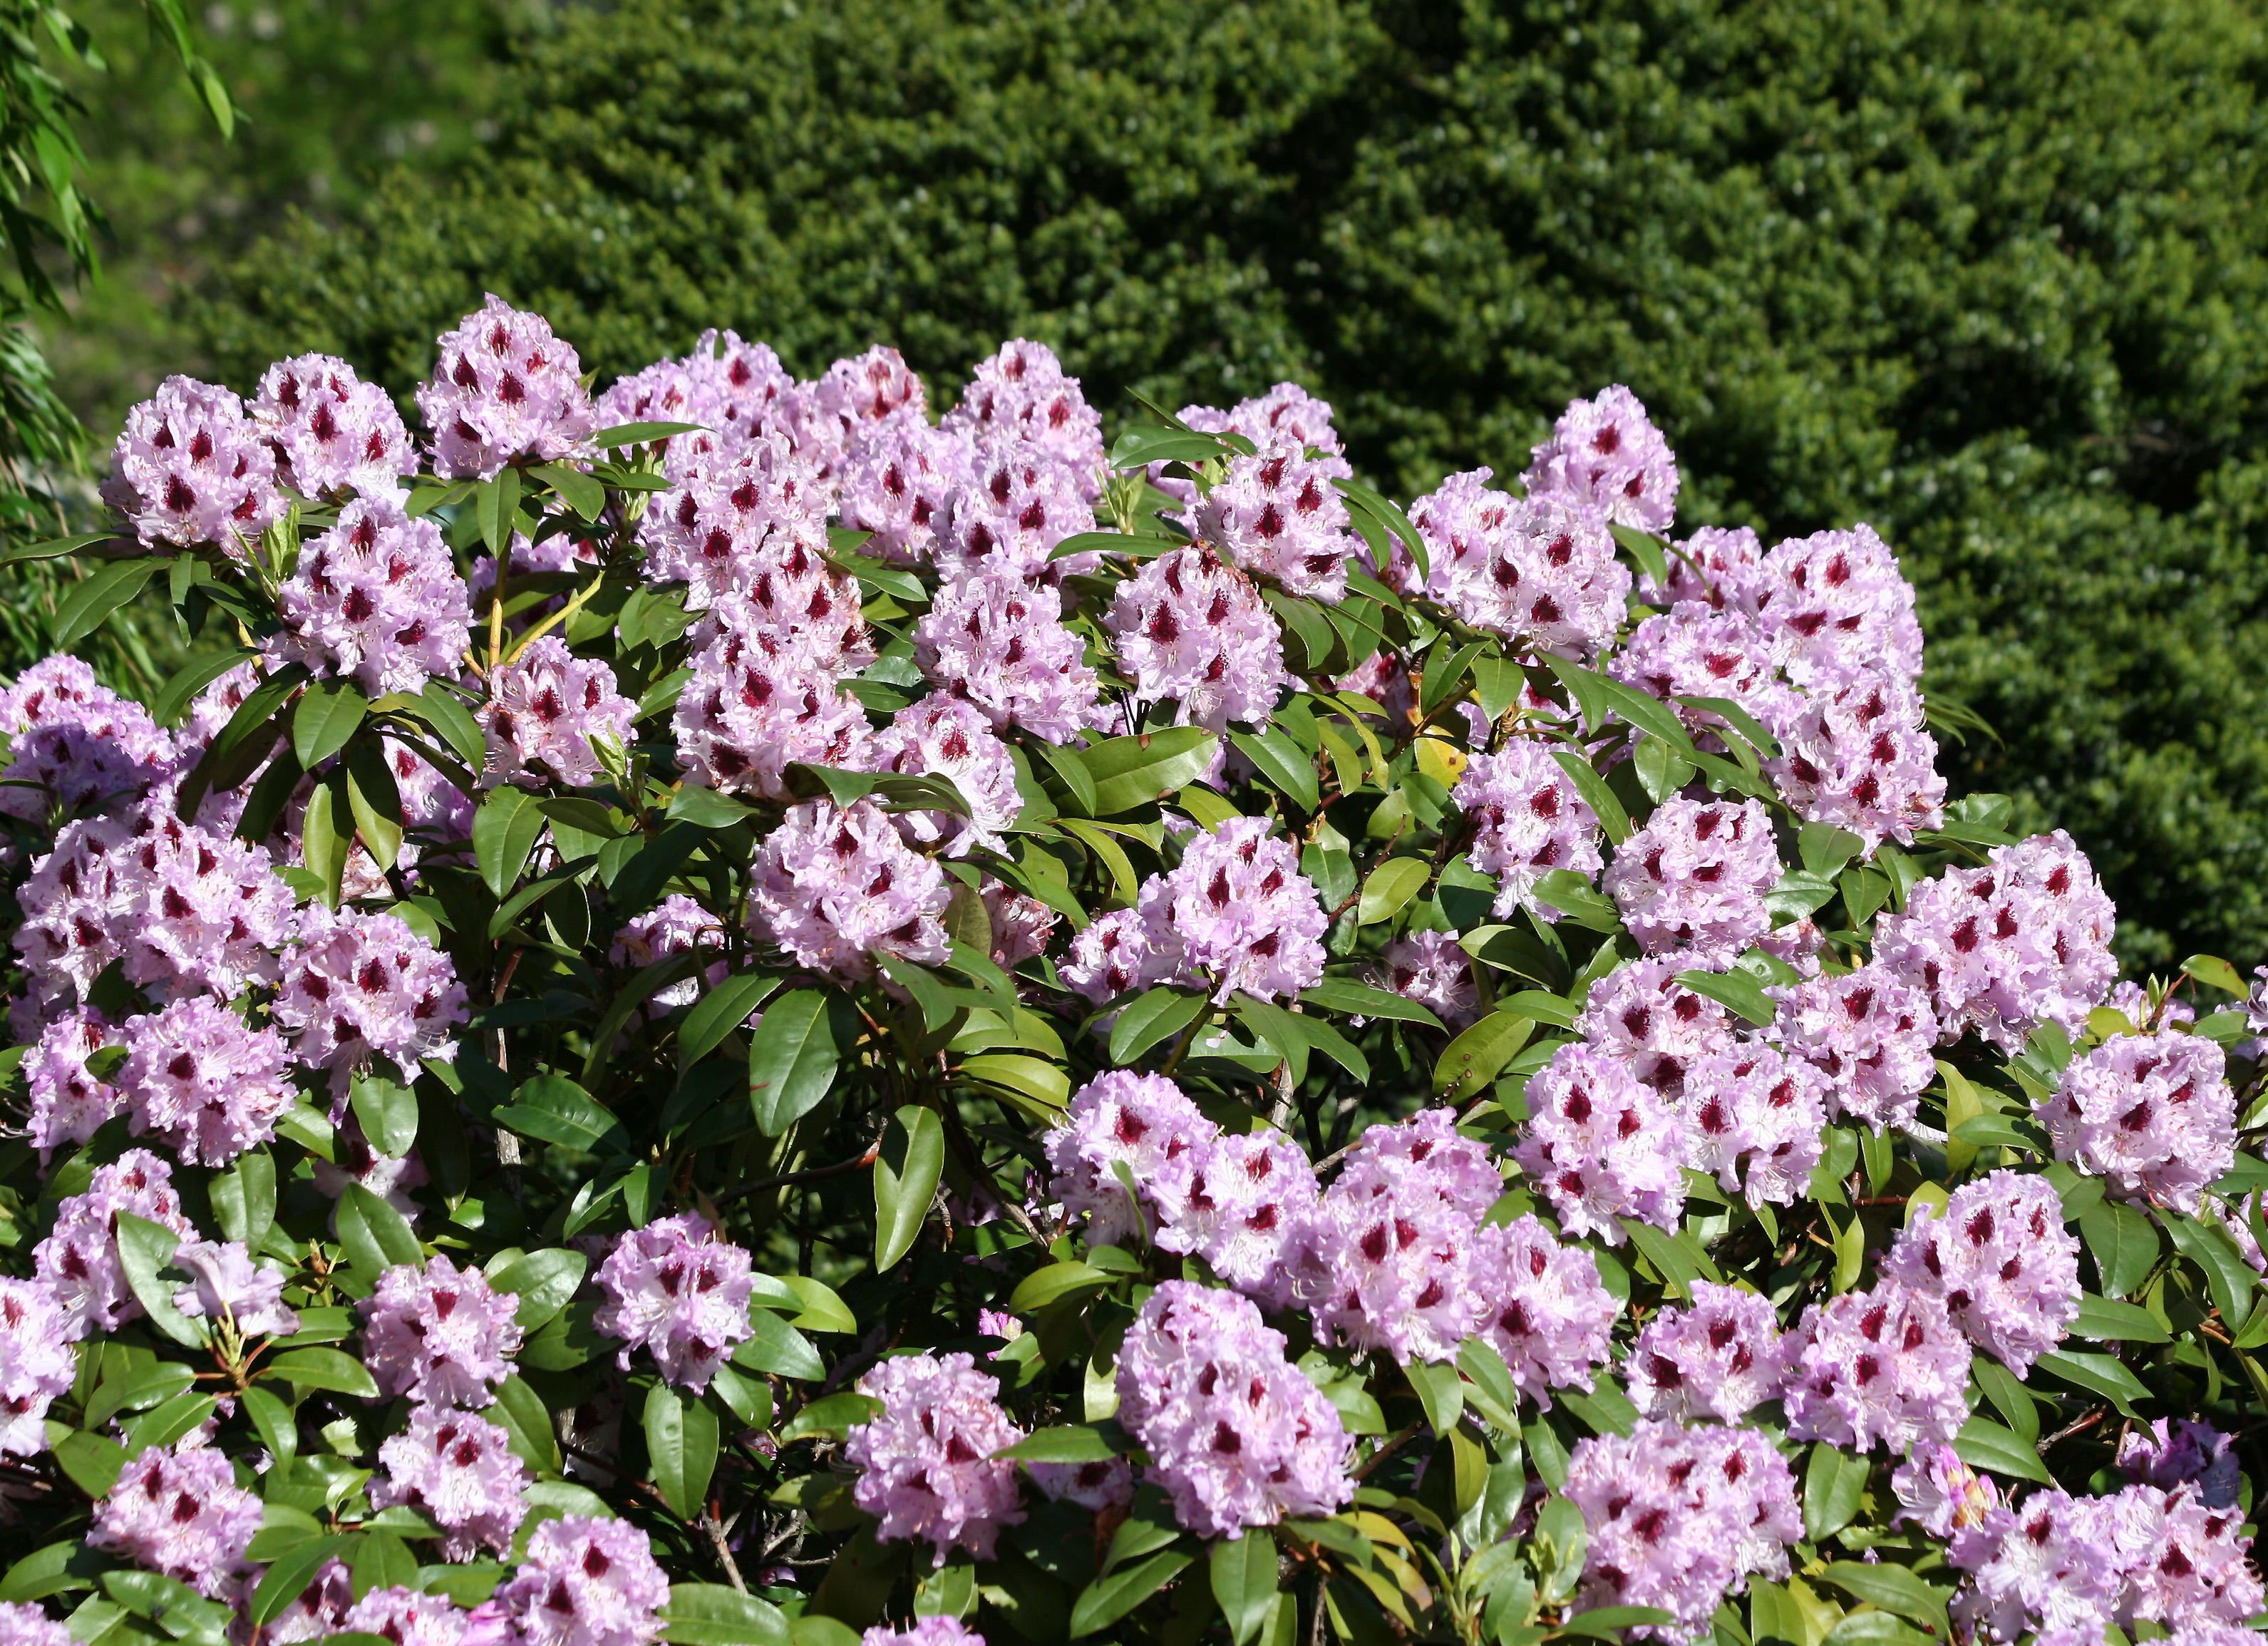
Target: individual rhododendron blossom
{"points": [[1886, 1368], [2023, 941], [1716, 1359], [1871, 1036], [22, 1623], [225, 1283], [1602, 1145], [942, 736], [78, 1263], [1999, 1255], [2170, 1456], [1236, 1435], [2183, 1562], [925, 1464], [1236, 914], [1021, 394], [1543, 1307], [1537, 572], [1278, 515], [37, 1366], [439, 1335], [899, 482], [68, 1101], [1190, 628], [758, 702], [839, 890], [544, 710], [1113, 956], [677, 1289], [503, 389], [1857, 756], [74, 743], [586, 1581], [1148, 1124], [1941, 1494], [1529, 819], [459, 1471], [1605, 455], [1237, 1205], [201, 1078], [331, 431], [178, 1511], [1840, 601], [1431, 968], [1717, 566], [1021, 925], [1680, 1517], [1695, 651], [2152, 1115], [1007, 518], [999, 642], [867, 388], [1642, 1016], [1695, 877], [376, 598], [363, 986], [675, 925], [1754, 1120], [191, 467]]}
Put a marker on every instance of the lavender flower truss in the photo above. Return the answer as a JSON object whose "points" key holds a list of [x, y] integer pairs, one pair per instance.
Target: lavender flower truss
{"points": [[1362, 1074]]}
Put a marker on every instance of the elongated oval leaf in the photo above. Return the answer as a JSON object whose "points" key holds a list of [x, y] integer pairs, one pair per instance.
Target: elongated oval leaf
{"points": [[1112, 1596], [902, 1192], [792, 1056], [505, 831], [1130, 772], [329, 713]]}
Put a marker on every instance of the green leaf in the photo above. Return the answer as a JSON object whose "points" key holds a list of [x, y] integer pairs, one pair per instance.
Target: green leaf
{"points": [[1737, 991], [2231, 1279], [54, 547], [1058, 1280], [1279, 1031], [1149, 1017], [2217, 972], [527, 1420], [173, 698], [322, 1369], [581, 493], [641, 434], [288, 1577], [1478, 1055], [1893, 1589], [504, 832], [705, 806], [2098, 1374], [327, 836], [1130, 772], [90, 603], [833, 1415], [497, 505], [1391, 885], [374, 801], [274, 1422], [1833, 1482], [69, 1564], [2104, 1321], [1069, 771], [776, 1347], [1612, 818], [244, 1198], [543, 1281], [1609, 1623], [1984, 1444], [329, 713], [1661, 769], [2124, 1245], [93, 1461], [1440, 1391], [1112, 1596], [1342, 994], [387, 1112], [375, 1235], [1070, 1442], [555, 1109], [1244, 1581], [710, 1614], [1283, 763], [719, 1012], [793, 1053], [681, 1440], [453, 722], [902, 1192], [143, 1248]]}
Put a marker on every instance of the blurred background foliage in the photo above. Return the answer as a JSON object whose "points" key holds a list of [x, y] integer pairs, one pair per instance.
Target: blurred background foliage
{"points": [[1990, 278]]}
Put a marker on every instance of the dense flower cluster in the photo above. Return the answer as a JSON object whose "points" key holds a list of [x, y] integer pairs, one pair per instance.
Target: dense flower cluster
{"points": [[439, 1335], [459, 1468], [1602, 1146], [377, 597], [1529, 820], [1695, 877], [504, 388], [1192, 629], [544, 713], [331, 431], [1886, 1366], [1536, 571], [2001, 1259], [675, 1289], [925, 1464], [191, 467], [839, 890], [2152, 1115], [179, 1510]]}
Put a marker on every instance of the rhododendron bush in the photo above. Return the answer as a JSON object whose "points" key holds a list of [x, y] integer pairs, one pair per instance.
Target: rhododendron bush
{"points": [[744, 1010]]}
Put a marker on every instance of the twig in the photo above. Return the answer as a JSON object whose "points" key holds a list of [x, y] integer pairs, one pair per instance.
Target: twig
{"points": [[2073, 1427], [708, 1525], [874, 1150]]}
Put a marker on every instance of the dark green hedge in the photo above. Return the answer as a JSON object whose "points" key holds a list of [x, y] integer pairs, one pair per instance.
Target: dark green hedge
{"points": [[1989, 276]]}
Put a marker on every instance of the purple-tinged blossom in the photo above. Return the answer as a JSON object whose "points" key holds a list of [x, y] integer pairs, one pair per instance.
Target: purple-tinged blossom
{"points": [[37, 1366], [2132, 1001], [359, 986], [1278, 515], [675, 925], [899, 483], [876, 386], [67, 1104], [2172, 1456], [1384, 1266], [504, 388], [1718, 566], [1000, 643], [2182, 1560], [1097, 1487], [1007, 518], [225, 1282], [459, 1471], [2001, 1258], [1529, 819], [2048, 1564], [1431, 968], [2023, 941], [731, 522], [1235, 1433], [1941, 1494], [78, 1262], [1840, 604], [942, 736], [1113, 956], [1428, 1154], [191, 467], [1021, 394], [1286, 416], [586, 1581], [199, 1077], [1544, 1307], [79, 742], [839, 890], [376, 598], [2152, 1115], [1237, 914], [1143, 1122], [331, 431], [674, 391], [1239, 1203], [177, 1511], [757, 703], [1641, 1014], [438, 1334], [1716, 1359], [409, 1617], [925, 1464], [1191, 628], [1602, 1145], [1755, 1119], [1021, 925], [1696, 876], [1870, 1034], [678, 1289], [22, 1623], [1695, 651], [75, 909], [206, 911], [544, 707], [934, 1631], [1605, 455], [1856, 755], [1887, 1367], [1535, 572]]}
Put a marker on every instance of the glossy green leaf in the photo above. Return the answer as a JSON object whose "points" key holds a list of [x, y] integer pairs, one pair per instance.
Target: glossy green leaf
{"points": [[681, 1443], [903, 1188], [329, 713], [793, 1054]]}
